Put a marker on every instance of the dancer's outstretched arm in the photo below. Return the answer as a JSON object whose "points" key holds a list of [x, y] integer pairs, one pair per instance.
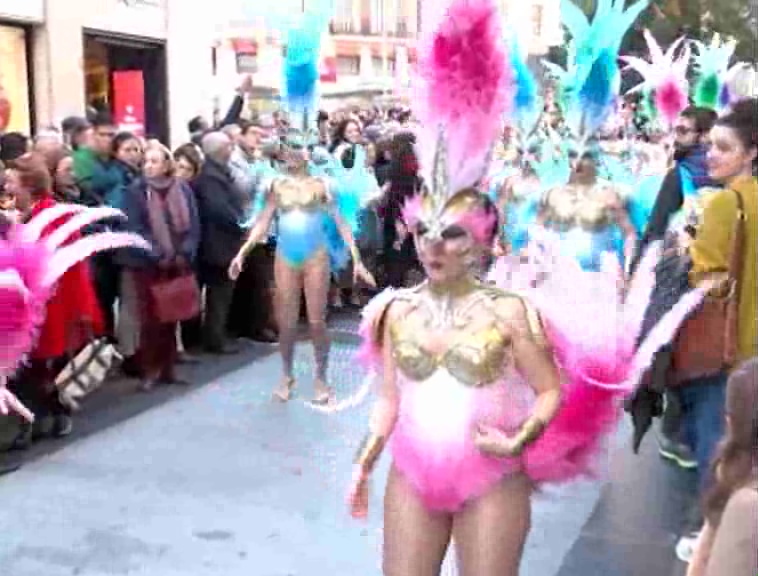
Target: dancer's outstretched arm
{"points": [[381, 423], [260, 229]]}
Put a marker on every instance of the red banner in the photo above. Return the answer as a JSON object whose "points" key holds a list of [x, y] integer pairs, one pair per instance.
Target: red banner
{"points": [[328, 70], [129, 101]]}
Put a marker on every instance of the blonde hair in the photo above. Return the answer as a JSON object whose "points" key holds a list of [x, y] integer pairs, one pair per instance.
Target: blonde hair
{"points": [[168, 157]]}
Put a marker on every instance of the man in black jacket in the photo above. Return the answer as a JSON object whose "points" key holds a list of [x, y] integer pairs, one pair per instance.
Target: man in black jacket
{"points": [[222, 210], [684, 180], [689, 173]]}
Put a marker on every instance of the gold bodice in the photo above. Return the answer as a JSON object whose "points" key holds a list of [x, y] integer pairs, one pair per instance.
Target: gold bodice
{"points": [[588, 207], [521, 188], [475, 359], [300, 194], [464, 335]]}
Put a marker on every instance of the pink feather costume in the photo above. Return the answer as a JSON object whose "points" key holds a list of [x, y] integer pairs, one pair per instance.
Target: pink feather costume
{"points": [[432, 442], [587, 320], [30, 268]]}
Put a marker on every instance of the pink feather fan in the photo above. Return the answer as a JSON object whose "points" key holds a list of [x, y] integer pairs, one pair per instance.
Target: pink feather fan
{"points": [[463, 84], [31, 265], [665, 74], [23, 294], [600, 360]]}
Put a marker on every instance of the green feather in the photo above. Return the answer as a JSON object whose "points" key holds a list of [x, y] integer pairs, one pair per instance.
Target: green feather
{"points": [[707, 91]]}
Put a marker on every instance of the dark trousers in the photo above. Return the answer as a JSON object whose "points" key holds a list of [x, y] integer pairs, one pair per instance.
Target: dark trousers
{"points": [[106, 275], [703, 407], [252, 309], [192, 329], [219, 292], [671, 421], [34, 385]]}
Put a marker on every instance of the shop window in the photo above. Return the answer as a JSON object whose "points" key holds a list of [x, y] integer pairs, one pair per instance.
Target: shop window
{"points": [[348, 65], [117, 70], [15, 109]]}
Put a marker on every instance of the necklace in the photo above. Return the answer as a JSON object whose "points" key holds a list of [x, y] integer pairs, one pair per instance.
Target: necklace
{"points": [[444, 301]]}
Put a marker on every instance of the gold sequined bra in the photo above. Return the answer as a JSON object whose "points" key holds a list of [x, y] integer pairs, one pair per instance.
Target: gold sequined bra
{"points": [[291, 194], [476, 356], [567, 208]]}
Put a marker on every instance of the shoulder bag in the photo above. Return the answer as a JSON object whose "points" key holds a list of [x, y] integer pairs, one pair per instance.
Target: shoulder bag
{"points": [[707, 343]]}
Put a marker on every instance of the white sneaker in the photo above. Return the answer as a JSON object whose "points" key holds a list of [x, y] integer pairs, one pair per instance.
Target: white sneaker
{"points": [[685, 548]]}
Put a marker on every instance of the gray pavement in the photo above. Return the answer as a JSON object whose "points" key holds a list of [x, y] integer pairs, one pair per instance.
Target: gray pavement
{"points": [[219, 481]]}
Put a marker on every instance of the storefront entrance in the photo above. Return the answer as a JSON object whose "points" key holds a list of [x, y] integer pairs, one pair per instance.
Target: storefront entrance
{"points": [[127, 78], [15, 80]]}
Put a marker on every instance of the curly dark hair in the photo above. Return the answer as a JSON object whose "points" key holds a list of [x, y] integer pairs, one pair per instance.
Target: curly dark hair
{"points": [[743, 120]]}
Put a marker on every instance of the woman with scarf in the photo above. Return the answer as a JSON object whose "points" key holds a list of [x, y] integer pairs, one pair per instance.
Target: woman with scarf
{"points": [[162, 209]]}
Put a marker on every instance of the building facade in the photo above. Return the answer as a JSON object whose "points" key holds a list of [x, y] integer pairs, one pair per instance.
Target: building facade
{"points": [[64, 57], [369, 50], [18, 19]]}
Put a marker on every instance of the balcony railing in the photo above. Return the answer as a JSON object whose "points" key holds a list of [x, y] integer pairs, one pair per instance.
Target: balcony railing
{"points": [[366, 29]]}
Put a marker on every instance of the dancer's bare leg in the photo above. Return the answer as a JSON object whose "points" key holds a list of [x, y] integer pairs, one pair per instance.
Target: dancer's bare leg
{"points": [[415, 539], [289, 289], [490, 532], [316, 284]]}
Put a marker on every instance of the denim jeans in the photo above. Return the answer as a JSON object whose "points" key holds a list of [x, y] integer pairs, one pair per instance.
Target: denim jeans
{"points": [[703, 402]]}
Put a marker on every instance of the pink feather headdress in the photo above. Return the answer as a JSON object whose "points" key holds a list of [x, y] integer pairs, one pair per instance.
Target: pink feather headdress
{"points": [[463, 87], [665, 75]]}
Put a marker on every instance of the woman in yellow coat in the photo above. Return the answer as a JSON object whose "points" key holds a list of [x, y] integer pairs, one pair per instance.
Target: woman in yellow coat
{"points": [[732, 162]]}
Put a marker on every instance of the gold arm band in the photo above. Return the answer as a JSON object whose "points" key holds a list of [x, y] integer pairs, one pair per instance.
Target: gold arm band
{"points": [[530, 431], [355, 254], [369, 452]]}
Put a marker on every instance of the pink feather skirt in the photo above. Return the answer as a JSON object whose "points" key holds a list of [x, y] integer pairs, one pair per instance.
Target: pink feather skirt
{"points": [[432, 444]]}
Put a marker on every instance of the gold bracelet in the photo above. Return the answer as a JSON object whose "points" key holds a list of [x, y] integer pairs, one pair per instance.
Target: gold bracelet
{"points": [[369, 452], [355, 254], [530, 431]]}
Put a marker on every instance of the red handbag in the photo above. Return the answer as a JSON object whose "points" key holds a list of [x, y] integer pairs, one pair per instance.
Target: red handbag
{"points": [[175, 299]]}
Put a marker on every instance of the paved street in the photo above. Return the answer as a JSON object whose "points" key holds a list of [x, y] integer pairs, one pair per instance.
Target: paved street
{"points": [[218, 481]]}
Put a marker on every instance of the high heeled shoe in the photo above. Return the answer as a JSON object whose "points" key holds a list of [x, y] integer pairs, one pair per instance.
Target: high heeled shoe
{"points": [[323, 396], [284, 393]]}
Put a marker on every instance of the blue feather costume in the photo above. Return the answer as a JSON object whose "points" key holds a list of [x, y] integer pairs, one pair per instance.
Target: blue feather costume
{"points": [[589, 86]]}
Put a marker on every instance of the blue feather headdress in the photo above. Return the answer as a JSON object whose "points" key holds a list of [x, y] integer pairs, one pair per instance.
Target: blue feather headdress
{"points": [[301, 64], [591, 81], [526, 110]]}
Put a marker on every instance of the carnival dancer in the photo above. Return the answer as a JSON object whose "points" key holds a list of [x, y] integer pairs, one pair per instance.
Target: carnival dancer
{"points": [[471, 399], [302, 204], [519, 197], [591, 215]]}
